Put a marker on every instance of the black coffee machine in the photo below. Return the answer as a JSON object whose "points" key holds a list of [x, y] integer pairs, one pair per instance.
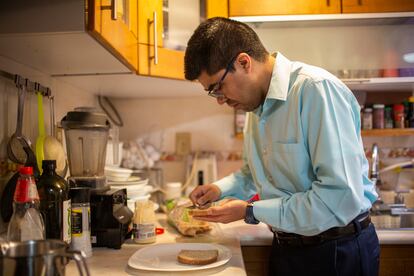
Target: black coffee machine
{"points": [[110, 218], [86, 133]]}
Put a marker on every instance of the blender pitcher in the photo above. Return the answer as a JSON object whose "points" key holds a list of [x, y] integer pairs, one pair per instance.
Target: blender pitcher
{"points": [[86, 133]]}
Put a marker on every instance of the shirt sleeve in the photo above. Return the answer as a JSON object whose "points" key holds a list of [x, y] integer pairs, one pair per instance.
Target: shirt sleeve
{"points": [[239, 184], [329, 115]]}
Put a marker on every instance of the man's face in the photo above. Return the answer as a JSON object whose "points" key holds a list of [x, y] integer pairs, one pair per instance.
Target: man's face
{"points": [[237, 89]]}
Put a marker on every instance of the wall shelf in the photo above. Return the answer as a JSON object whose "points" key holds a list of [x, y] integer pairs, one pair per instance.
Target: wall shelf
{"points": [[381, 84], [388, 132]]}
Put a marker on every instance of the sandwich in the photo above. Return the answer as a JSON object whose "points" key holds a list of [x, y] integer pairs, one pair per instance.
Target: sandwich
{"points": [[197, 257]]}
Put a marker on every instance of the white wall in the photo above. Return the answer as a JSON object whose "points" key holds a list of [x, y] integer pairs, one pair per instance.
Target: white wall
{"points": [[211, 125]]}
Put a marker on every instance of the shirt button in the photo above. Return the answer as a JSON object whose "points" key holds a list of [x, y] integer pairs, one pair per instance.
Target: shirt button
{"points": [[264, 151]]}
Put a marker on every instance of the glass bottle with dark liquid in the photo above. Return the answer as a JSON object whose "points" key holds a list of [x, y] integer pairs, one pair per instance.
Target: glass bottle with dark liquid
{"points": [[55, 205]]}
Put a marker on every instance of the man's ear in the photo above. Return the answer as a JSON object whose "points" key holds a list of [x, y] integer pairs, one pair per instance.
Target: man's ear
{"points": [[244, 61]]}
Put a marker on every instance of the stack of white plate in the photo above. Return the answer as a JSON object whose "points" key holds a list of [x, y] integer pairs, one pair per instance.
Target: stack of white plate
{"points": [[137, 189]]}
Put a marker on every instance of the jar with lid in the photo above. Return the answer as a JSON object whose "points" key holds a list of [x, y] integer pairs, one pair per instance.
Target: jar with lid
{"points": [[367, 118], [81, 222], [399, 120], [388, 117], [411, 112], [378, 116], [144, 222]]}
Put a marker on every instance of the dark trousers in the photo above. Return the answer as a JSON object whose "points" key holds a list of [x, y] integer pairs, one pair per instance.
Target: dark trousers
{"points": [[355, 255]]}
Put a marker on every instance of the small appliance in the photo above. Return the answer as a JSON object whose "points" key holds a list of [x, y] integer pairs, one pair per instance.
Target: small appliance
{"points": [[86, 133]]}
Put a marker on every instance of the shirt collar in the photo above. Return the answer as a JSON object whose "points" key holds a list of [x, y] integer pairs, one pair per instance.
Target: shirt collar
{"points": [[279, 84]]}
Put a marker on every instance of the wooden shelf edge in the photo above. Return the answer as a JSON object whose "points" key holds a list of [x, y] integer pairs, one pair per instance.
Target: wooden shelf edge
{"points": [[388, 132]]}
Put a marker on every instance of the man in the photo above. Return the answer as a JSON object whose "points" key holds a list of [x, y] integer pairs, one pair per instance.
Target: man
{"points": [[302, 150]]}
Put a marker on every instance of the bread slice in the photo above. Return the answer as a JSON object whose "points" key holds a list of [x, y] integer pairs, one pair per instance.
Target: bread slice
{"points": [[197, 257], [199, 212]]}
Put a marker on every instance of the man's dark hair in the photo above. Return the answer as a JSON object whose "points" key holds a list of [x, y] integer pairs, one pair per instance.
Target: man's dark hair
{"points": [[215, 42]]}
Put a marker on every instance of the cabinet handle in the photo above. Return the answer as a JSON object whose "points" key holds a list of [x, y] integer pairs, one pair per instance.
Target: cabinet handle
{"points": [[328, 3], [359, 2], [113, 8], [154, 22]]}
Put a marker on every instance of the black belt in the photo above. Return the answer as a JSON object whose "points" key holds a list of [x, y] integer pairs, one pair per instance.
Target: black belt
{"points": [[290, 239]]}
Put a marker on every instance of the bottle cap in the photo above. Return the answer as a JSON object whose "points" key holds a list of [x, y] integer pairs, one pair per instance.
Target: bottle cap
{"points": [[26, 170], [411, 99], [368, 109], [378, 106], [79, 194], [49, 165]]}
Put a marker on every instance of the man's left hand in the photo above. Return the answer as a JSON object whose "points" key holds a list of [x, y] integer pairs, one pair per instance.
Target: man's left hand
{"points": [[229, 211]]}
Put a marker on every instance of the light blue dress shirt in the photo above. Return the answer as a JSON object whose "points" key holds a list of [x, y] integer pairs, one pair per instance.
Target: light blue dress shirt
{"points": [[303, 153]]}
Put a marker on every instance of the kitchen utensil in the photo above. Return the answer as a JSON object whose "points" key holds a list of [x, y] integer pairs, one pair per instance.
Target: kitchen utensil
{"points": [[163, 257], [52, 148], [39, 257], [40, 140], [17, 142], [6, 202]]}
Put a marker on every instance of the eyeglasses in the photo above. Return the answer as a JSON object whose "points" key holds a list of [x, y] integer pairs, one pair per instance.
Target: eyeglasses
{"points": [[214, 91]]}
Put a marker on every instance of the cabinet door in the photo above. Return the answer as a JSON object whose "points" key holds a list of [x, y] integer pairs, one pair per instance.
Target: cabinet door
{"points": [[217, 8], [118, 35], [147, 26], [282, 7], [362, 6], [170, 62]]}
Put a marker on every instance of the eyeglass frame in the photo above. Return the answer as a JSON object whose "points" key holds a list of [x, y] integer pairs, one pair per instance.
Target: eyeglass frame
{"points": [[213, 91]]}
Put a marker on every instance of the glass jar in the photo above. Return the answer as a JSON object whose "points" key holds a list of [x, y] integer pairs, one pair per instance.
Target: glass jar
{"points": [[367, 118], [378, 116], [388, 118], [399, 119]]}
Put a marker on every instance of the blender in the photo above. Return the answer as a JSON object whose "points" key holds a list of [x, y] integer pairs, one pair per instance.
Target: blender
{"points": [[86, 133]]}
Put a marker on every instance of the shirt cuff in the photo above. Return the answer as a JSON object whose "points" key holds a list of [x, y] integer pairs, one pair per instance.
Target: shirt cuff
{"points": [[226, 185], [268, 211]]}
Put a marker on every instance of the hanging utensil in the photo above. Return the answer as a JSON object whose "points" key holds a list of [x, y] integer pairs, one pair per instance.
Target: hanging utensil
{"points": [[52, 148], [42, 135], [17, 142]]}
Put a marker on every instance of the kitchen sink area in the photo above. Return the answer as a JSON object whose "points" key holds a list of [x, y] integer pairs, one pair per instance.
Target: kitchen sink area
{"points": [[403, 221]]}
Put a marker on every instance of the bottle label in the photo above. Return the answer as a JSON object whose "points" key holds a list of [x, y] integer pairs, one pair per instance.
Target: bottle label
{"points": [[66, 221], [77, 227], [144, 231], [25, 190]]}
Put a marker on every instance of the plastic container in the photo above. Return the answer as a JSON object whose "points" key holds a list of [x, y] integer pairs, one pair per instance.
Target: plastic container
{"points": [[144, 222], [378, 116]]}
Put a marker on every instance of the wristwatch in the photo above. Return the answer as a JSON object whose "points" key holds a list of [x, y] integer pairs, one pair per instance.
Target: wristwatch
{"points": [[249, 218]]}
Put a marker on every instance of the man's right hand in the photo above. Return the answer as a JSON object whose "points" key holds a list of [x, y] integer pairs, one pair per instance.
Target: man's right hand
{"points": [[205, 194]]}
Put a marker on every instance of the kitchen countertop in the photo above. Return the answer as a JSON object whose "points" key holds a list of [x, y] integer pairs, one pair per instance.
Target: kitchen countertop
{"points": [[232, 235]]}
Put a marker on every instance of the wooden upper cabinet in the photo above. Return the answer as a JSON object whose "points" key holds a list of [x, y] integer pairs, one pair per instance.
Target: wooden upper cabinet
{"points": [[118, 35], [217, 8], [146, 24], [170, 62], [373, 6], [283, 7]]}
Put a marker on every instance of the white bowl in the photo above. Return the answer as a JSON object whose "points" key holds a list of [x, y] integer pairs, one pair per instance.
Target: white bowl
{"points": [[117, 173], [135, 191]]}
